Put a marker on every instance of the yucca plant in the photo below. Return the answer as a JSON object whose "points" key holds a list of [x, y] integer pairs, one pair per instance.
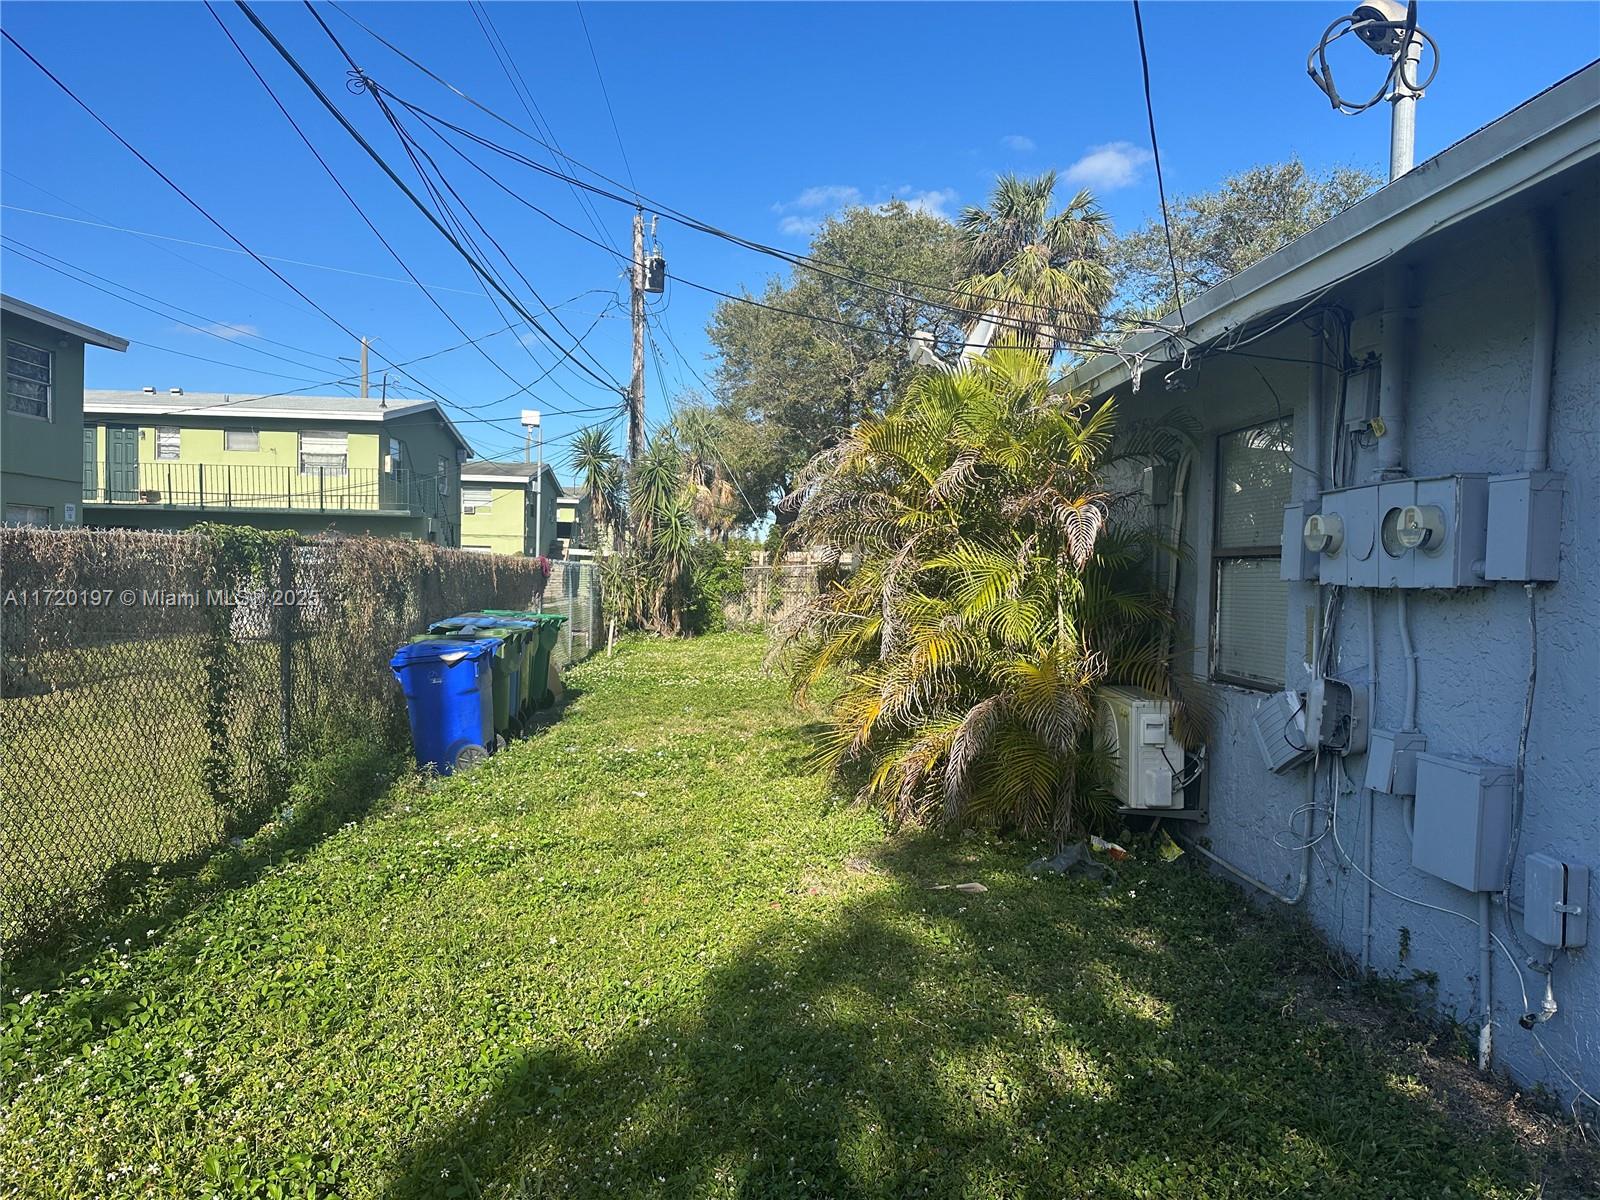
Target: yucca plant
{"points": [[993, 591]]}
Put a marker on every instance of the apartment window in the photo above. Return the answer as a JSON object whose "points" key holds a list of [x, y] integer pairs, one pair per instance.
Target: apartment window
{"points": [[167, 443], [444, 476], [395, 458], [29, 372], [1250, 603], [475, 496], [27, 514], [324, 453], [241, 439]]}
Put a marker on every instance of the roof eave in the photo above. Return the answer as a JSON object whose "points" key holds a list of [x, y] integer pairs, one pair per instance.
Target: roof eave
{"points": [[1549, 134], [85, 333]]}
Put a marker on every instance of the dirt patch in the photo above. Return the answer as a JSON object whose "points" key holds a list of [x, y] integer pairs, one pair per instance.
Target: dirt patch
{"points": [[1565, 1154]]}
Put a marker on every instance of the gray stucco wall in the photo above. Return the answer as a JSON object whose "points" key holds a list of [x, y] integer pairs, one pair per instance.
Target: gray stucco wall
{"points": [[1468, 392]]}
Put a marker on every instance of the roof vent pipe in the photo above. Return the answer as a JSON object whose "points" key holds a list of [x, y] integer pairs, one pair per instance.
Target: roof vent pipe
{"points": [[149, 391], [1395, 370], [175, 391], [1536, 449]]}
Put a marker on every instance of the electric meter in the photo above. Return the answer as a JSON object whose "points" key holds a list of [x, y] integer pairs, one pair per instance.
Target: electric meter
{"points": [[1324, 533], [1421, 527]]}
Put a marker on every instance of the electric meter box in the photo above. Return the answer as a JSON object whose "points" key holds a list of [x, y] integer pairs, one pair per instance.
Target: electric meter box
{"points": [[1457, 561], [1555, 901], [1392, 761], [1461, 831], [1352, 564], [1524, 541], [1298, 563]]}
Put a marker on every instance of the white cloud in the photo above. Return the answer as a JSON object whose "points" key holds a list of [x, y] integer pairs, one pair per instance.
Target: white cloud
{"points": [[932, 202], [231, 332], [802, 216], [1017, 141], [1108, 167]]}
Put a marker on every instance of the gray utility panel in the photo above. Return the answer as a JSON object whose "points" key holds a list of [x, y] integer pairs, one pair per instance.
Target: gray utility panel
{"points": [[1555, 901], [1462, 829]]}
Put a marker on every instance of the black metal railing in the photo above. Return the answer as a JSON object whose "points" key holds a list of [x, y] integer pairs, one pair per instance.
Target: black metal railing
{"points": [[273, 488]]}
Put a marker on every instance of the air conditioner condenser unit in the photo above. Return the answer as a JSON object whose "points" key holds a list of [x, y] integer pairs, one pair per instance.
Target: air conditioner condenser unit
{"points": [[1136, 726]]}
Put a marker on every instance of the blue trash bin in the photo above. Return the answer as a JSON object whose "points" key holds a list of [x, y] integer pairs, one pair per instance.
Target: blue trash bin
{"points": [[449, 698]]}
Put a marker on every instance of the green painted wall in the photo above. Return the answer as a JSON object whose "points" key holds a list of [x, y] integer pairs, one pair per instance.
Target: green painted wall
{"points": [[505, 524], [41, 462], [246, 485]]}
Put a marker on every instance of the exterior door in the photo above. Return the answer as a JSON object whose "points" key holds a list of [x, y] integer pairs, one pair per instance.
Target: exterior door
{"points": [[122, 462], [91, 464]]}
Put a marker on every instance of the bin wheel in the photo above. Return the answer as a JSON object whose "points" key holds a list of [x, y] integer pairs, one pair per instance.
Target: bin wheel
{"points": [[470, 756]]}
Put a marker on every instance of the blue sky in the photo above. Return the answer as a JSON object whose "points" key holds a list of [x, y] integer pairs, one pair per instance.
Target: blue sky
{"points": [[759, 118]]}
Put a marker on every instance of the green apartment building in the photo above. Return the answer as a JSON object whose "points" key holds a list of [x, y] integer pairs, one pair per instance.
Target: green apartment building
{"points": [[509, 508], [165, 460], [42, 441]]}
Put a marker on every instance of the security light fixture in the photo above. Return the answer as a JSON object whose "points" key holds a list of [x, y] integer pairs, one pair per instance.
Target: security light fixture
{"points": [[1380, 24]]}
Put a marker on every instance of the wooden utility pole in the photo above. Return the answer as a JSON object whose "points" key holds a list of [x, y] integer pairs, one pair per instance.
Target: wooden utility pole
{"points": [[636, 391]]}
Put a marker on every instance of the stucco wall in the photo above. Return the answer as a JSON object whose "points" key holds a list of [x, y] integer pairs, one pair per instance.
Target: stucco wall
{"points": [[41, 462], [1468, 391]]}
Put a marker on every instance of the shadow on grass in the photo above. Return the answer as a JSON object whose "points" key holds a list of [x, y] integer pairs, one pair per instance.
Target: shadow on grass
{"points": [[1042, 1038]]}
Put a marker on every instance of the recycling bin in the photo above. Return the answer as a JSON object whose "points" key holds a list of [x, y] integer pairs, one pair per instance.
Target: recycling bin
{"points": [[448, 685], [522, 631]]}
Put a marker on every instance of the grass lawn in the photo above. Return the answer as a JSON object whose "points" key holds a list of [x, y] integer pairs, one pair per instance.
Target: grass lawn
{"points": [[645, 954]]}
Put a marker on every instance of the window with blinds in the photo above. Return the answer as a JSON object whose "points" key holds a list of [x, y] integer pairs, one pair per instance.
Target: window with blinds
{"points": [[167, 443], [1250, 614], [476, 495], [324, 453], [241, 439]]}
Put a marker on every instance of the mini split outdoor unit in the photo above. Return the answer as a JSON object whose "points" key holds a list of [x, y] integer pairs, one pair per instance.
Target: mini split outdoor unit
{"points": [[1137, 728]]}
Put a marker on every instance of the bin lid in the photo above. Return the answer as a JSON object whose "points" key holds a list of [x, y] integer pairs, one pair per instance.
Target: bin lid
{"points": [[446, 650]]}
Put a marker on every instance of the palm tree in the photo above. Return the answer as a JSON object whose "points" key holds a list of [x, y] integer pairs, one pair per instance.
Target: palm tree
{"points": [[992, 596], [599, 468], [1044, 277]]}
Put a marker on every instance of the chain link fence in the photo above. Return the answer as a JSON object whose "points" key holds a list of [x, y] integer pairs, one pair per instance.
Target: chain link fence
{"points": [[159, 691]]}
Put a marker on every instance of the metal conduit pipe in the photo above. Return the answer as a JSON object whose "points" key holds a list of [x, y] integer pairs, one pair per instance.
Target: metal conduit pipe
{"points": [[1409, 653], [1311, 473], [1394, 370], [1265, 889], [1536, 449], [1485, 993], [1367, 803]]}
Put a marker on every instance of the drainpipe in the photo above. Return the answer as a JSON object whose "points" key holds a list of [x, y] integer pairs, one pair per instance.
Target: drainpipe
{"points": [[1535, 453], [1392, 389], [1485, 995]]}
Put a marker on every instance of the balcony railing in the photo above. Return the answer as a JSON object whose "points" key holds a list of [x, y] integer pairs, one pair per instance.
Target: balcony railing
{"points": [[270, 488]]}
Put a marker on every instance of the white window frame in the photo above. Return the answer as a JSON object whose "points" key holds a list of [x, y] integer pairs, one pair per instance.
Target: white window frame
{"points": [[1267, 551], [444, 475], [40, 510], [164, 445], [253, 434], [475, 496], [322, 459], [49, 414]]}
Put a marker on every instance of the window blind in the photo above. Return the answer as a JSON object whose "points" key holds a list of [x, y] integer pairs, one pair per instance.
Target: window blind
{"points": [[324, 452], [241, 439], [1252, 620], [28, 378], [477, 494], [167, 442], [1253, 480]]}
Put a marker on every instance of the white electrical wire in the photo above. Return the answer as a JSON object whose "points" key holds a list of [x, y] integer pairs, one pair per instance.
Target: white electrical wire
{"points": [[1522, 984]]}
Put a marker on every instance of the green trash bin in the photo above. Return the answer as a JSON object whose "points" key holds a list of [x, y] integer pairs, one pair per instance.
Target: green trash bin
{"points": [[506, 686], [523, 631], [549, 631]]}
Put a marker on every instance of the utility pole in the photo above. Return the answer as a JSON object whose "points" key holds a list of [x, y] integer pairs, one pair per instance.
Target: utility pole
{"points": [[636, 391], [363, 368]]}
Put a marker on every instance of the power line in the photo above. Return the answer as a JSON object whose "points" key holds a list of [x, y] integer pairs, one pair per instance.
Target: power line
{"points": [[793, 258], [606, 95], [378, 159], [1155, 151]]}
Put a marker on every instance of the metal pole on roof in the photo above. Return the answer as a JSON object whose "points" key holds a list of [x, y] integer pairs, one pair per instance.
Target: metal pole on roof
{"points": [[1403, 118], [363, 368]]}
